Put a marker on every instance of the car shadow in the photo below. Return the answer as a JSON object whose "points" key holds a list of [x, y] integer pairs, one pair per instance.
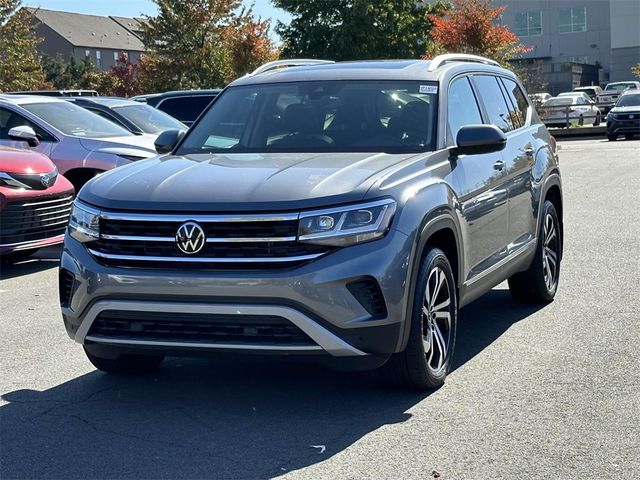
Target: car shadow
{"points": [[43, 259], [225, 418]]}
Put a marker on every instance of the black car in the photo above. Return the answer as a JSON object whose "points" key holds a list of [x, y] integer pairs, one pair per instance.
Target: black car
{"points": [[185, 105], [136, 117], [624, 117]]}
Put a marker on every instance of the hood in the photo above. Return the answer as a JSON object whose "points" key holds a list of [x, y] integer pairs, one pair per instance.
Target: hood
{"points": [[134, 145], [14, 160], [239, 182], [629, 109]]}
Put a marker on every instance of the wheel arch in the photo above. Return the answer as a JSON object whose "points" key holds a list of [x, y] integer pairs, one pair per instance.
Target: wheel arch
{"points": [[441, 230], [80, 175]]}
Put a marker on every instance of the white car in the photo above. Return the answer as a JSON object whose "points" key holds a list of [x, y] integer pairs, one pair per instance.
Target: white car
{"points": [[572, 109], [613, 90], [576, 94], [80, 143]]}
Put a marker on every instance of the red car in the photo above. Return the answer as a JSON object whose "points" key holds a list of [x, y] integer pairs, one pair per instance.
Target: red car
{"points": [[34, 203]]}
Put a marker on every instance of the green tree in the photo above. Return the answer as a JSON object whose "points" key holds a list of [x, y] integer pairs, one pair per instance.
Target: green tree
{"points": [[356, 29], [201, 44], [636, 70], [20, 67]]}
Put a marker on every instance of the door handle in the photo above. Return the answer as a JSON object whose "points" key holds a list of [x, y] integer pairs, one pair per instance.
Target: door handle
{"points": [[529, 152], [499, 165]]}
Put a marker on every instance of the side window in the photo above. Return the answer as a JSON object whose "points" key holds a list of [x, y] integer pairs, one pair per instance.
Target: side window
{"points": [[10, 119], [494, 102], [106, 115], [462, 107], [518, 99], [186, 109]]}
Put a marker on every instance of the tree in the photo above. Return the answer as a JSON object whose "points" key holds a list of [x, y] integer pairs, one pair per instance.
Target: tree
{"points": [[636, 70], [469, 27], [20, 67], [124, 75], [201, 44], [357, 29]]}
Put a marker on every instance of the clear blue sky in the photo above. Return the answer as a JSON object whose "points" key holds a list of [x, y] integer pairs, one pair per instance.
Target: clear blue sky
{"points": [[134, 8]]}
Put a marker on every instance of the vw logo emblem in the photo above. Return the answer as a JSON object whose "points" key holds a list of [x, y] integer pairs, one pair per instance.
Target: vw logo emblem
{"points": [[190, 238], [46, 180]]}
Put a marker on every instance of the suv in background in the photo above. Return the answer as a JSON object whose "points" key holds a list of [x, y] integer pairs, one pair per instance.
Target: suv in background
{"points": [[607, 99], [342, 212], [593, 91], [185, 105], [624, 117]]}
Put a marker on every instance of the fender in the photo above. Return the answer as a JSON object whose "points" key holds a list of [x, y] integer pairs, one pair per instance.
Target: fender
{"points": [[439, 219]]}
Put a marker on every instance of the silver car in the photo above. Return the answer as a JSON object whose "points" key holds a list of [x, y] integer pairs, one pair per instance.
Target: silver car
{"points": [[80, 143]]}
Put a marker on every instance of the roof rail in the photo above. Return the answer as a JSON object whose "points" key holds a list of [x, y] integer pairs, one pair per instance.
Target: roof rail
{"points": [[293, 62], [459, 57]]}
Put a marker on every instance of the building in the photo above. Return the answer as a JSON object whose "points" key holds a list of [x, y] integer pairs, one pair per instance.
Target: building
{"points": [[76, 35], [577, 42]]}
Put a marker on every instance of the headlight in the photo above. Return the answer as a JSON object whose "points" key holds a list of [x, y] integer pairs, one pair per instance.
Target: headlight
{"points": [[84, 223], [348, 225]]}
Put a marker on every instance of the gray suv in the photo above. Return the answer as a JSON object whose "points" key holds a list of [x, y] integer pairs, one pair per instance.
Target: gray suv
{"points": [[341, 212]]}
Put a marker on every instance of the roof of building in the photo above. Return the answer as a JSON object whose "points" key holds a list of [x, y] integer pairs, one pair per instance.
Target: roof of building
{"points": [[92, 31]]}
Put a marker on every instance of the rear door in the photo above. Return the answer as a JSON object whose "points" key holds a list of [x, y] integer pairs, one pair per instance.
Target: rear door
{"points": [[479, 182]]}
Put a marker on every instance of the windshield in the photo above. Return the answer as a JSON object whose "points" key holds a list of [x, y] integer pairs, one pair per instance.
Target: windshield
{"points": [[620, 87], [76, 121], [332, 116], [149, 119], [556, 102], [628, 101]]}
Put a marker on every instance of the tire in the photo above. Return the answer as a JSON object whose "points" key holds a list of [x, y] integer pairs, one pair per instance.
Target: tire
{"points": [[18, 256], [598, 120], [427, 359], [125, 363], [539, 283], [612, 138], [628, 136]]}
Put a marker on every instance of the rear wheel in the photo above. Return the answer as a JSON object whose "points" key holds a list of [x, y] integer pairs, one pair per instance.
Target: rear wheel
{"points": [[426, 360], [598, 119], [539, 283], [125, 363], [612, 138], [628, 136]]}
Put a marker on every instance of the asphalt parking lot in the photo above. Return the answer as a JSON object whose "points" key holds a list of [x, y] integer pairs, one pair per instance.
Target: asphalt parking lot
{"points": [[550, 392]]}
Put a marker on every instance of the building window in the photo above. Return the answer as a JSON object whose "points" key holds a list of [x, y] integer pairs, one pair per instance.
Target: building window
{"points": [[115, 56], [87, 53], [572, 19], [528, 24], [98, 58]]}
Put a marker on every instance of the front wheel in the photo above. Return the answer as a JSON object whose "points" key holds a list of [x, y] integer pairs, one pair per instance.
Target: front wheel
{"points": [[125, 363], [539, 283], [427, 359], [612, 138]]}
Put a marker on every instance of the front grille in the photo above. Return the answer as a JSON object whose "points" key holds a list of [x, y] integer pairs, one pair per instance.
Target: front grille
{"points": [[34, 220], [263, 330], [232, 242]]}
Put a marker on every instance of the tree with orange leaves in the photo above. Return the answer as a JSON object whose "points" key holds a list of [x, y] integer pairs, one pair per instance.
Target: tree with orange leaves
{"points": [[469, 26]]}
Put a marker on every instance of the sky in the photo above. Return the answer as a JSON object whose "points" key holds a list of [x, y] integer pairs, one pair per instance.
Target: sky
{"points": [[135, 8]]}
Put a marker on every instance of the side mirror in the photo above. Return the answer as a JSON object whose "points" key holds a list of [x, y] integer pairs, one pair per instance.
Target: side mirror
{"points": [[477, 139], [24, 134], [167, 140]]}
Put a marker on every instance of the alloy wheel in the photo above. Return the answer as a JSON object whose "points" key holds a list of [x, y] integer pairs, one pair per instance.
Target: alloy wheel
{"points": [[550, 253], [436, 320]]}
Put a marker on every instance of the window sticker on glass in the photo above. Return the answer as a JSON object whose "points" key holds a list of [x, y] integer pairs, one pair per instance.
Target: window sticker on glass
{"points": [[428, 89]]}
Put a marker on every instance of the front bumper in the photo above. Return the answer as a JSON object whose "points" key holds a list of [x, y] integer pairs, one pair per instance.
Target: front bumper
{"points": [[619, 127], [314, 297]]}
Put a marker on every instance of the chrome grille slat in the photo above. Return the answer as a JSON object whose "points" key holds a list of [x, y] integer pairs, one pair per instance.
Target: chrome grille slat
{"points": [[232, 241], [21, 223]]}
